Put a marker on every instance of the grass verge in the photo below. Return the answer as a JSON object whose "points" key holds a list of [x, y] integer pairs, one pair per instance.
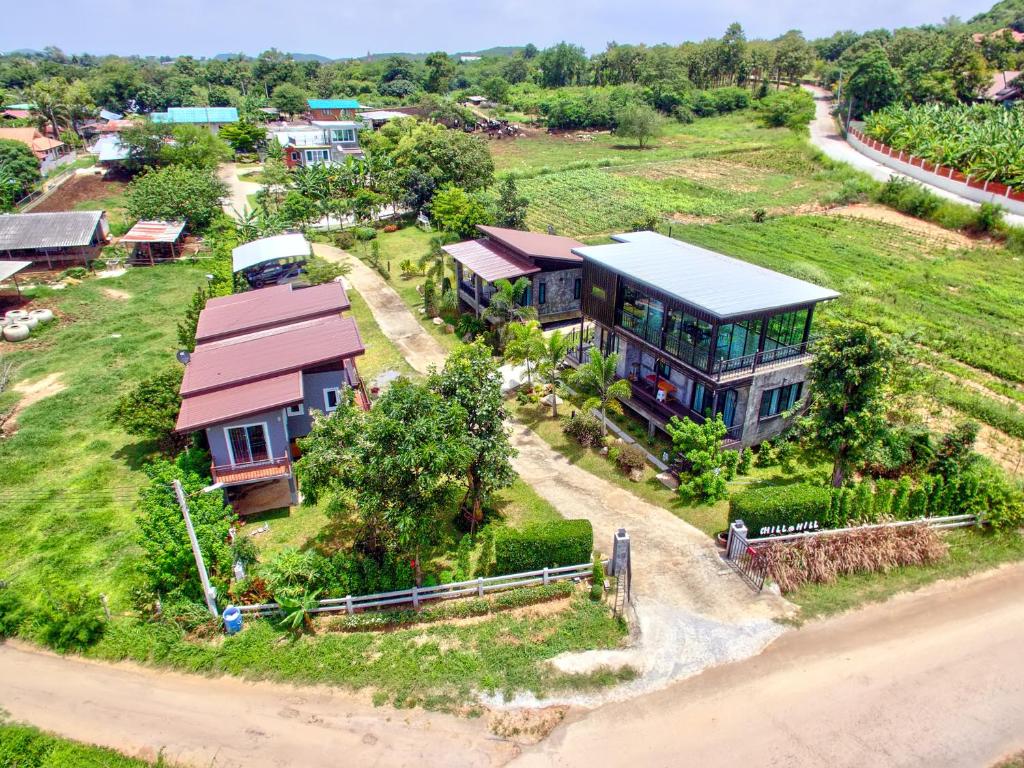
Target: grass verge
{"points": [[22, 746]]}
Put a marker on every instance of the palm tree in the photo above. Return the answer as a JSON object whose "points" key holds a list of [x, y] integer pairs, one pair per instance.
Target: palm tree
{"points": [[525, 345], [556, 347], [506, 306], [598, 374]]}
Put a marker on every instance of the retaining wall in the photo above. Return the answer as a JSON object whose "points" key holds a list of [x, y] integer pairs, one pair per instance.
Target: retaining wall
{"points": [[940, 176]]}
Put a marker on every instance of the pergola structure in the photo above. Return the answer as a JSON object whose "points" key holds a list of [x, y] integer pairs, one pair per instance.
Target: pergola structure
{"points": [[156, 239]]}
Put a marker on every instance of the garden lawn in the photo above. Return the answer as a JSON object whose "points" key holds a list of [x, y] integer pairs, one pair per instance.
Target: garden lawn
{"points": [[970, 551], [22, 746], [116, 207], [437, 666], [68, 479]]}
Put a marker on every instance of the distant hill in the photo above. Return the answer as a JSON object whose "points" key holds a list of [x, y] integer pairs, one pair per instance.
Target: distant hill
{"points": [[498, 50], [1000, 15], [296, 56]]}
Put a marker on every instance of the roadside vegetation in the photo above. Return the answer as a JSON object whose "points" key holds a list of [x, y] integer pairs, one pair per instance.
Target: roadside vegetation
{"points": [[22, 746]]}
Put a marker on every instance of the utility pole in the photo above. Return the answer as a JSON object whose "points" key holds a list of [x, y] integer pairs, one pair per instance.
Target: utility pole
{"points": [[208, 591], [839, 93]]}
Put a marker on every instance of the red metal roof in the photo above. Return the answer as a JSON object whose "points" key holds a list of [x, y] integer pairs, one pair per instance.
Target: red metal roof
{"points": [[154, 232], [490, 260], [264, 354], [534, 245], [225, 404], [240, 313]]}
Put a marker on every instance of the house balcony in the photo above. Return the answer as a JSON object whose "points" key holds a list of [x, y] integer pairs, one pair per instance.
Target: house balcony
{"points": [[645, 395], [252, 471]]}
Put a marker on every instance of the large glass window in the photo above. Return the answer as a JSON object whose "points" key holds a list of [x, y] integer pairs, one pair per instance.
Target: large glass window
{"points": [[688, 338], [779, 400], [248, 444], [701, 398], [642, 315], [727, 406], [737, 340], [785, 330], [542, 293]]}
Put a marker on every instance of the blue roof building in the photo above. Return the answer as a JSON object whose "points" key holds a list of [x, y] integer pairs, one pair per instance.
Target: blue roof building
{"points": [[332, 103], [196, 115]]}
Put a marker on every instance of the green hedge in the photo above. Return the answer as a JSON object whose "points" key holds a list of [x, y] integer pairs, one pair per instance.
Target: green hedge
{"points": [[560, 542], [779, 505]]}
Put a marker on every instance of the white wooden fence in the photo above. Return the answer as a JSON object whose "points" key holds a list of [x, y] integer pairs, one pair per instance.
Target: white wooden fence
{"points": [[417, 595]]}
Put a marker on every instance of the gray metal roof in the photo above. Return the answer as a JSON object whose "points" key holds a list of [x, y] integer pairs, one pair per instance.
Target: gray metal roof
{"points": [[67, 229], [9, 269], [719, 284]]}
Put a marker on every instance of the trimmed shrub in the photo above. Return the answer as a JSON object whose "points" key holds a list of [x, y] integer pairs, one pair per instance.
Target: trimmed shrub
{"points": [[597, 579], [631, 458], [561, 542], [781, 507], [746, 459], [584, 428], [344, 239], [70, 618]]}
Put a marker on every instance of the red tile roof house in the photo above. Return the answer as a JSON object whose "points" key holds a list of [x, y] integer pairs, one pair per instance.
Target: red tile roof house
{"points": [[264, 361], [547, 261]]}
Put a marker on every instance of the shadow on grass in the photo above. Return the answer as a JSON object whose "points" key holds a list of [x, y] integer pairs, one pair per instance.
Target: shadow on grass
{"points": [[137, 455]]}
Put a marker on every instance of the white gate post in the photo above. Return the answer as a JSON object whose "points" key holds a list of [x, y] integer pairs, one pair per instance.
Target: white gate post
{"points": [[620, 553], [737, 538]]}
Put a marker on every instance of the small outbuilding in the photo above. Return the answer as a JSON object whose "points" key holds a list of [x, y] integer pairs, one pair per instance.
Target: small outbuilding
{"points": [[53, 239], [153, 241]]}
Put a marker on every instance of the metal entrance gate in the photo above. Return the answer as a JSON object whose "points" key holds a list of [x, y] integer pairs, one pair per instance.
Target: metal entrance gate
{"points": [[742, 556]]}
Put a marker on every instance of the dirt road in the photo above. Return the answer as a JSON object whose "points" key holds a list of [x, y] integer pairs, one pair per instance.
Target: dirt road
{"points": [[693, 612], [238, 190], [826, 137], [229, 723], [931, 678], [394, 318]]}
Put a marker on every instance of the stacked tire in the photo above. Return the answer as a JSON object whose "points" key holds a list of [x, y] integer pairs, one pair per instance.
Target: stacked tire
{"points": [[18, 324]]}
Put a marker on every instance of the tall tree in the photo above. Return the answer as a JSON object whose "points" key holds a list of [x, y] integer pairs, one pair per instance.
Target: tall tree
{"points": [[874, 83], [440, 71], [512, 206], [556, 347], [598, 376], [289, 99], [471, 379], [852, 372], [562, 65], [525, 346], [507, 306]]}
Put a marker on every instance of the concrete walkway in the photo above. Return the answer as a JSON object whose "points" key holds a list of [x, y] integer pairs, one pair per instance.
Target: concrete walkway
{"points": [[826, 137], [693, 611], [238, 190], [392, 315]]}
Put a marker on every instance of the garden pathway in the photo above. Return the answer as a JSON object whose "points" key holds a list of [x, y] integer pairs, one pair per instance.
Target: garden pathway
{"points": [[826, 137], [392, 315], [238, 191], [693, 611]]}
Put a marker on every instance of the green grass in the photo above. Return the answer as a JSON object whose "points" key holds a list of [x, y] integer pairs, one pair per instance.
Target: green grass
{"points": [[116, 207], [970, 552], [437, 666], [68, 479], [22, 746]]}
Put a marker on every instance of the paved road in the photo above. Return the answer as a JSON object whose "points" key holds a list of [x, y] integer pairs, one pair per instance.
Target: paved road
{"points": [[229, 723], [693, 612], [931, 678], [394, 318], [237, 200], [826, 137]]}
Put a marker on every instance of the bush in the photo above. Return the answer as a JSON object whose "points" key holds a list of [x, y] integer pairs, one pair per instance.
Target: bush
{"points": [[150, 409], [780, 506], [560, 542], [987, 219], [597, 579], [292, 573], [632, 458], [792, 108], [746, 458], [344, 239], [364, 233], [70, 618], [12, 612], [908, 197], [584, 428], [76, 273], [177, 193]]}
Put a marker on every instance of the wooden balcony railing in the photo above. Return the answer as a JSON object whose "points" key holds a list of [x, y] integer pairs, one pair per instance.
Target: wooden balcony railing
{"points": [[252, 471]]}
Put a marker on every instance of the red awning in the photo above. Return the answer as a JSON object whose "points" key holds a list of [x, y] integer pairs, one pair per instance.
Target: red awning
{"points": [[490, 261]]}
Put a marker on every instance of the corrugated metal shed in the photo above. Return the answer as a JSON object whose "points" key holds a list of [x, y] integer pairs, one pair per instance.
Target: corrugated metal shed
{"points": [[69, 229], [179, 115], [332, 103], [107, 115], [154, 232], [291, 246], [490, 261], [719, 284], [109, 149]]}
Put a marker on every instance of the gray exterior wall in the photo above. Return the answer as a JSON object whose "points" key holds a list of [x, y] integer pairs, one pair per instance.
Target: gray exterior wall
{"points": [[755, 431], [559, 289], [276, 434], [313, 386]]}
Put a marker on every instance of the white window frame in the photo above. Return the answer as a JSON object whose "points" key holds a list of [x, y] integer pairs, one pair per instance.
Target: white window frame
{"points": [[321, 156], [296, 410], [343, 135], [327, 404], [266, 434]]}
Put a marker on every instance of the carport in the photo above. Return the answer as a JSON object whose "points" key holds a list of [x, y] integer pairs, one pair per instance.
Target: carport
{"points": [[155, 240]]}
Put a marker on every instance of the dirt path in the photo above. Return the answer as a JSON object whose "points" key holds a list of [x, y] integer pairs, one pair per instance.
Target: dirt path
{"points": [[238, 191], [227, 722], [825, 136], [693, 611], [396, 321], [31, 393], [929, 678]]}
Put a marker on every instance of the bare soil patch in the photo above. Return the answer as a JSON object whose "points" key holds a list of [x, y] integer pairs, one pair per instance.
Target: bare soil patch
{"points": [[526, 726], [80, 189], [114, 293], [927, 230], [1003, 449], [31, 393]]}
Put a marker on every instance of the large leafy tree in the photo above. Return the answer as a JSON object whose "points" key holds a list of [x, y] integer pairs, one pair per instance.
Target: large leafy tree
{"points": [[874, 83], [440, 71], [244, 136], [289, 98], [638, 121], [458, 213], [176, 193], [511, 209], [194, 147], [506, 306], [598, 376], [525, 346], [471, 379], [562, 65], [853, 373], [19, 172]]}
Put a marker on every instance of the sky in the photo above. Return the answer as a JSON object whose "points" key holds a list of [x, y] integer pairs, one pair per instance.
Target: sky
{"points": [[349, 28]]}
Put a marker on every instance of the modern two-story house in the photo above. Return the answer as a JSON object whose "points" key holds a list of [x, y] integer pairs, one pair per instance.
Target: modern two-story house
{"points": [[699, 333], [320, 142], [263, 362], [554, 271]]}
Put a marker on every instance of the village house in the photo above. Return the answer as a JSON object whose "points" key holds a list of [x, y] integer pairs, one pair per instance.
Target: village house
{"points": [[51, 153], [698, 332], [1005, 88], [332, 109], [53, 239], [212, 118], [264, 362], [548, 262], [320, 142]]}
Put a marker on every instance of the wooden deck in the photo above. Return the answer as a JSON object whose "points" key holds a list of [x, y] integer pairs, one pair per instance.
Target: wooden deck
{"points": [[236, 474]]}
